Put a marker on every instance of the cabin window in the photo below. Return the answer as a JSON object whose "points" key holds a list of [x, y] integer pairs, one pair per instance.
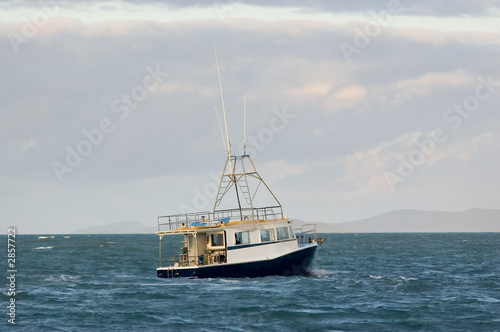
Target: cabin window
{"points": [[292, 233], [217, 240], [282, 233], [241, 237], [266, 235]]}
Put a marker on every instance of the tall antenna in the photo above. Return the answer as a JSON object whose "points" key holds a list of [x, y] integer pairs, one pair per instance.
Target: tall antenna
{"points": [[223, 107], [220, 127], [244, 127]]}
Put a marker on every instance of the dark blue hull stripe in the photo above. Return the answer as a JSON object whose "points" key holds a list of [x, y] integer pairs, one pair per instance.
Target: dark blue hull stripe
{"points": [[241, 246], [296, 263]]}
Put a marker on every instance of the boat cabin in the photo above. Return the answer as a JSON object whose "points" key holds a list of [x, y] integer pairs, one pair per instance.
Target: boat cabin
{"points": [[208, 241]]}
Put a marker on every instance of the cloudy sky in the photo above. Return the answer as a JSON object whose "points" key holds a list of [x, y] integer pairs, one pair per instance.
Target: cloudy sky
{"points": [[353, 108]]}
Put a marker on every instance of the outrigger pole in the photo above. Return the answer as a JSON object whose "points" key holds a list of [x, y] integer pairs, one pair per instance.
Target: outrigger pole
{"points": [[220, 127], [228, 151], [223, 107], [244, 127]]}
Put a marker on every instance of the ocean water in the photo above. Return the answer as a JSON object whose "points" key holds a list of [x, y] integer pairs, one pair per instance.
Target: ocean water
{"points": [[361, 282]]}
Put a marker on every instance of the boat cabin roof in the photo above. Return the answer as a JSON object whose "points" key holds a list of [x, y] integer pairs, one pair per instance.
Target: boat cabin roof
{"points": [[202, 221]]}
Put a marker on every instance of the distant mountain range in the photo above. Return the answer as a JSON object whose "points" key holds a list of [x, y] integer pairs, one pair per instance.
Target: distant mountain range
{"points": [[414, 221], [401, 221], [126, 227]]}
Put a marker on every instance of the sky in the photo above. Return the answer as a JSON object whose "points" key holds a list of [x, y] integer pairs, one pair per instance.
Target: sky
{"points": [[352, 108]]}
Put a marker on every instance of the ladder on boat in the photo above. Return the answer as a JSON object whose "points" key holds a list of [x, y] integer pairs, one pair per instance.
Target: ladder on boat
{"points": [[245, 190], [239, 180]]}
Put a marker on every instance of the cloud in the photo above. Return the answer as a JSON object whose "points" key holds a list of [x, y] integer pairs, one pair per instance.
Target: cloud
{"points": [[364, 170], [465, 150], [344, 97], [428, 84], [440, 38], [426, 8], [280, 168]]}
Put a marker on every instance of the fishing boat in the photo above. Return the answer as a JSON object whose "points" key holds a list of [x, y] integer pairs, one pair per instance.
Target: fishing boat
{"points": [[245, 235]]}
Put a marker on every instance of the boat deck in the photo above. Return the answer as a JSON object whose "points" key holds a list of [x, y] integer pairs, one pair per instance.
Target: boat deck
{"points": [[185, 223]]}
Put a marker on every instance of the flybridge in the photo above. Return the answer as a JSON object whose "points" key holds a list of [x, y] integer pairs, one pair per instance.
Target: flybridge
{"points": [[179, 223]]}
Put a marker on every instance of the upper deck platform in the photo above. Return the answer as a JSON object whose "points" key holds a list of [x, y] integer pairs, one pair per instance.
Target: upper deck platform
{"points": [[191, 222]]}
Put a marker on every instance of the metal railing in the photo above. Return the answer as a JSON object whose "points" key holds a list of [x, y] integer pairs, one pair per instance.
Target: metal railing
{"points": [[182, 220], [306, 234], [216, 218]]}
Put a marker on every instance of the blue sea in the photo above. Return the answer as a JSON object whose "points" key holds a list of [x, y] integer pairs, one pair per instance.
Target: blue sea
{"points": [[360, 282]]}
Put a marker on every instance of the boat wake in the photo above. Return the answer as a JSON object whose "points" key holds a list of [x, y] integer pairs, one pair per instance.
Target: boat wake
{"points": [[321, 273]]}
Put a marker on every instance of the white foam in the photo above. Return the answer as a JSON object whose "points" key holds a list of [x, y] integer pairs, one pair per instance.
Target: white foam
{"points": [[42, 248], [321, 273], [66, 277], [62, 277], [407, 279], [230, 281]]}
